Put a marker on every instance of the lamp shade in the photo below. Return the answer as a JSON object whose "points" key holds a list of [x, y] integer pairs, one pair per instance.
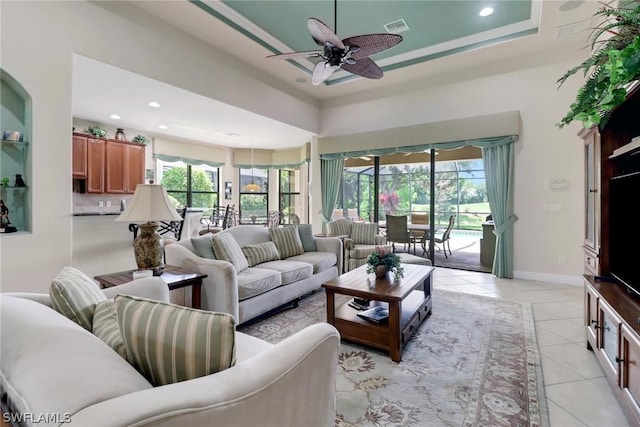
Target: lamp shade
{"points": [[149, 203], [252, 188]]}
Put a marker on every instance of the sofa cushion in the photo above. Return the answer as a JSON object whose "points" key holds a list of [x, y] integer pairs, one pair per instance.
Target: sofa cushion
{"points": [[291, 271], [287, 240], [260, 252], [170, 343], [364, 233], [50, 364], [306, 236], [227, 249], [361, 251], [255, 281], [105, 327], [339, 227], [75, 295], [203, 246], [320, 261]]}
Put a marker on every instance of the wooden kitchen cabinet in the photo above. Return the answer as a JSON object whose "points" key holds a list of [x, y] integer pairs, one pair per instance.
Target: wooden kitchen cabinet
{"points": [[79, 160], [95, 165], [124, 167]]}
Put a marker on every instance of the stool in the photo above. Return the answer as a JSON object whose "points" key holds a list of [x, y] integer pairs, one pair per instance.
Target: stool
{"points": [[406, 258]]}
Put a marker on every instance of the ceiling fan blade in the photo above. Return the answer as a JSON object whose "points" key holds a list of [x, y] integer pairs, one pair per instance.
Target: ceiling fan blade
{"points": [[321, 72], [371, 43], [294, 55], [322, 34], [364, 67]]}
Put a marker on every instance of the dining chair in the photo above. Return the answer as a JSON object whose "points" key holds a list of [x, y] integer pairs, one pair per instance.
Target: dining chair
{"points": [[419, 218], [397, 232], [444, 238]]}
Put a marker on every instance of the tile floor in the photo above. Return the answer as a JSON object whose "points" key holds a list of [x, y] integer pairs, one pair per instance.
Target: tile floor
{"points": [[577, 392]]}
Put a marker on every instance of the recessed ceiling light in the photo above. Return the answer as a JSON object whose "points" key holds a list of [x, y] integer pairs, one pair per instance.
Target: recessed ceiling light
{"points": [[153, 104], [163, 127], [486, 11], [233, 135], [300, 80], [115, 117]]}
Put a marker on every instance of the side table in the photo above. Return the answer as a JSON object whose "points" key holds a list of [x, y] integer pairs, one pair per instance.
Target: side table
{"points": [[175, 278]]}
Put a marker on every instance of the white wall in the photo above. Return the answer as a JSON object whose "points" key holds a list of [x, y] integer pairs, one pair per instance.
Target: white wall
{"points": [[543, 152], [38, 40]]}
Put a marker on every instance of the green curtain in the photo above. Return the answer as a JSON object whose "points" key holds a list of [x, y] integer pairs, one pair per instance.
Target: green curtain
{"points": [[330, 178], [498, 167], [449, 145], [187, 161]]}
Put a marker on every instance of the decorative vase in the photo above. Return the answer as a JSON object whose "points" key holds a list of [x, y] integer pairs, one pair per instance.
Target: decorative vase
{"points": [[381, 271], [148, 248], [120, 136], [19, 181]]}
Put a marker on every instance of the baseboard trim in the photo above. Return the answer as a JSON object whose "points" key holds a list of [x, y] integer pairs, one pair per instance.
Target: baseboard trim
{"points": [[553, 278]]}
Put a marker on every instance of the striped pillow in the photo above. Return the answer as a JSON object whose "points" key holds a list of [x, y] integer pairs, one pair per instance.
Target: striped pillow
{"points": [[260, 252], [227, 249], [287, 240], [169, 343], [364, 233], [75, 295], [105, 327]]}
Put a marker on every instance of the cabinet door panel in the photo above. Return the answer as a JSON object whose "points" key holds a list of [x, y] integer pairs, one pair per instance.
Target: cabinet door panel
{"points": [[608, 342], [135, 167], [79, 159], [631, 365], [95, 166], [115, 172]]}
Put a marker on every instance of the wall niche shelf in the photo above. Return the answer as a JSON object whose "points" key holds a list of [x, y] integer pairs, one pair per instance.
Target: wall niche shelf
{"points": [[15, 156]]}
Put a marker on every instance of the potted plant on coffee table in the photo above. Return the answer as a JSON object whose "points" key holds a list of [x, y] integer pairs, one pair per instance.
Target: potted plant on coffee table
{"points": [[382, 261]]}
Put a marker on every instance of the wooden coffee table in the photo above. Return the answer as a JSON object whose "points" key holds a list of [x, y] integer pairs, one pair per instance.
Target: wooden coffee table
{"points": [[175, 278], [408, 306]]}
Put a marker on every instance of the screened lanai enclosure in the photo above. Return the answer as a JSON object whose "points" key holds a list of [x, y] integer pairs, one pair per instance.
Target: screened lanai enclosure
{"points": [[460, 189]]}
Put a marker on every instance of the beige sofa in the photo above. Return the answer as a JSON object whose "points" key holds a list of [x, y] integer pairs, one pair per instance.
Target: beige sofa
{"points": [[360, 240], [53, 371], [257, 290]]}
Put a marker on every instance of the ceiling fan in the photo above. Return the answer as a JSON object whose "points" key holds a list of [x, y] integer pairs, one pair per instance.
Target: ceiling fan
{"points": [[350, 54]]}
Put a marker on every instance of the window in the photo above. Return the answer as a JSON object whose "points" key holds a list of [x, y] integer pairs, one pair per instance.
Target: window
{"points": [[404, 188], [190, 185], [289, 202], [254, 204]]}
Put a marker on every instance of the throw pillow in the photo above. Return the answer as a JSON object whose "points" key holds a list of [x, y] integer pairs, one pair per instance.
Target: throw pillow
{"points": [[306, 236], [260, 252], [75, 295], [203, 247], [227, 249], [169, 343], [105, 327], [364, 233], [287, 240]]}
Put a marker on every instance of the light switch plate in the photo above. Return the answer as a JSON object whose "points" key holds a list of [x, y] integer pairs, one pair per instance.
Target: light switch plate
{"points": [[558, 184], [552, 207]]}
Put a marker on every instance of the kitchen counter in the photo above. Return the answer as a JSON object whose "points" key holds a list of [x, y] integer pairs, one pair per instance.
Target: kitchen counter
{"points": [[95, 213]]}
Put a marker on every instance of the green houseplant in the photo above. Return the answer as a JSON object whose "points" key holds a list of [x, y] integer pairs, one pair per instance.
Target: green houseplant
{"points": [[611, 68], [97, 131], [140, 139], [381, 262]]}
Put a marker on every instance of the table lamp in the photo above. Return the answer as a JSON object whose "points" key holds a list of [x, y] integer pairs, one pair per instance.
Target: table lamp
{"points": [[150, 203]]}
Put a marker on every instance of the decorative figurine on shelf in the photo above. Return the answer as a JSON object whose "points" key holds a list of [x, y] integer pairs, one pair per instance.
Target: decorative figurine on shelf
{"points": [[5, 222], [4, 214], [120, 136], [19, 181]]}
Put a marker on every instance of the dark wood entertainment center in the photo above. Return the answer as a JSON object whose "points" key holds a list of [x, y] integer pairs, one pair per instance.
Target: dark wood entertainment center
{"points": [[612, 312]]}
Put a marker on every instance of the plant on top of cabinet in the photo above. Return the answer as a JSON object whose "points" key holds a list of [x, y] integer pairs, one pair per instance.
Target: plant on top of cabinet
{"points": [[97, 131], [613, 65], [141, 139]]}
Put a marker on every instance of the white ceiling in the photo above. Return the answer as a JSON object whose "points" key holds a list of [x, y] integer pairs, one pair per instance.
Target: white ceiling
{"points": [[100, 90]]}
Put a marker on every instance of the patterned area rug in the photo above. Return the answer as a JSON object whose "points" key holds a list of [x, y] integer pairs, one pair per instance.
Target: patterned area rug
{"points": [[474, 362]]}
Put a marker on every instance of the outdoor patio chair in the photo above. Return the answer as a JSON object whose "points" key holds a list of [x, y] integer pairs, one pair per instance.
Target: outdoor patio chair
{"points": [[444, 238], [397, 232]]}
